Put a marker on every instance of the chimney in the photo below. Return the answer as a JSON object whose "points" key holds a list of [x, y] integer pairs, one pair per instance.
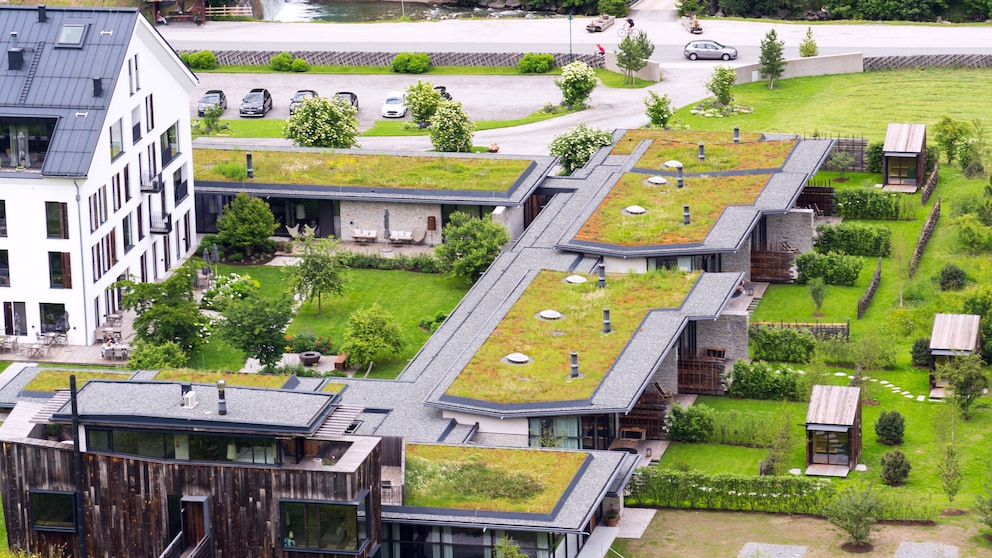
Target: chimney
{"points": [[13, 38], [97, 87], [42, 14], [250, 168], [702, 151], [679, 176], [737, 134], [15, 57], [606, 320], [221, 400], [602, 274], [575, 365], [685, 215]]}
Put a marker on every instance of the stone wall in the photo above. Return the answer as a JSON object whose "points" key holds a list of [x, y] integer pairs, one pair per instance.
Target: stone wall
{"points": [[369, 215], [794, 227], [739, 261], [333, 58], [501, 440], [812, 66], [512, 218], [729, 332], [667, 373]]}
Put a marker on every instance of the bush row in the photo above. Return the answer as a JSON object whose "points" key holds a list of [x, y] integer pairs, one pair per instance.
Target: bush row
{"points": [[854, 239], [872, 203], [284, 62], [758, 380], [424, 263], [781, 344], [834, 268], [202, 60]]}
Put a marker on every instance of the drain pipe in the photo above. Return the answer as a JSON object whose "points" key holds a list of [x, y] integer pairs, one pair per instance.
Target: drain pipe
{"points": [[82, 268]]}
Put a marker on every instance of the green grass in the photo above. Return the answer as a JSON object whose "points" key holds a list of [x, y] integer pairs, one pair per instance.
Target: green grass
{"points": [[52, 380], [251, 128], [406, 128], [616, 80], [713, 458]]}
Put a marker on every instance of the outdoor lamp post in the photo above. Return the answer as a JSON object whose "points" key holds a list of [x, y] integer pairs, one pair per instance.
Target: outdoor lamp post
{"points": [[570, 38]]}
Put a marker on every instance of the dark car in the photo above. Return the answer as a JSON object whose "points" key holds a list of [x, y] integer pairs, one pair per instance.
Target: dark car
{"points": [[443, 91], [710, 50], [212, 98], [348, 97], [256, 103], [301, 95]]}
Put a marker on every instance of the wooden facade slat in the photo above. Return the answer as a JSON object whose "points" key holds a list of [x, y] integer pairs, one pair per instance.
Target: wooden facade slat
{"points": [[956, 332]]}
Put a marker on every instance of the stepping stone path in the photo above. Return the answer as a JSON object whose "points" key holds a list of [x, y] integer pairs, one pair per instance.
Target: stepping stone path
{"points": [[885, 382], [921, 398], [840, 374], [926, 550], [763, 550]]}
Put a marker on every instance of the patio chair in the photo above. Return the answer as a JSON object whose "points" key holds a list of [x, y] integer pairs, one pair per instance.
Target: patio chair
{"points": [[294, 231], [418, 236]]}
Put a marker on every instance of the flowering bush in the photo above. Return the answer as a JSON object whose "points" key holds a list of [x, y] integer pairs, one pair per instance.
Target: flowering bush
{"points": [[659, 109], [422, 100], [227, 288], [451, 130], [322, 122], [720, 84], [576, 83], [576, 146], [309, 342]]}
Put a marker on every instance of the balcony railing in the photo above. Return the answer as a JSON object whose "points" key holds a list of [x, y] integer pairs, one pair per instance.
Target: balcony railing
{"points": [[161, 223], [152, 184]]}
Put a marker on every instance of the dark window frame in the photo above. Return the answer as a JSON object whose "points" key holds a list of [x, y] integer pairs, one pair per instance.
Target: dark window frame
{"points": [[63, 526], [361, 508]]}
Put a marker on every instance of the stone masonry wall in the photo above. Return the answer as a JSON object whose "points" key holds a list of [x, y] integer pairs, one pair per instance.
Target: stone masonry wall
{"points": [[794, 227], [330, 58], [927, 61], [500, 440], [729, 332], [368, 215], [668, 373], [512, 218], [738, 261]]}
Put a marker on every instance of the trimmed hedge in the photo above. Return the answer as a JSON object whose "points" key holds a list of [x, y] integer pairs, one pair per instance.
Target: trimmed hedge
{"points": [[871, 203], [834, 268], [536, 63], [410, 63], [781, 344], [758, 380], [202, 60], [424, 263], [853, 238]]}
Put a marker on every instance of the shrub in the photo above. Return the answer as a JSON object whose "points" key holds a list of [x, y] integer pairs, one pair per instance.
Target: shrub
{"points": [[890, 428], [536, 63], [721, 83], [451, 130], [870, 203], [422, 100], [782, 344], [694, 424], [202, 60], [616, 8], [300, 65], [282, 62], [576, 83], [952, 278], [410, 63], [921, 352], [302, 342], [227, 288], [323, 122], [659, 109], [873, 156], [575, 146], [854, 511], [431, 324], [973, 236], [757, 380], [686, 7], [895, 468], [853, 238], [834, 268]]}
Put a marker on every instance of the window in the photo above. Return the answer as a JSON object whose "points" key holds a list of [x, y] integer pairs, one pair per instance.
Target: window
{"points": [[4, 269], [126, 233], [169, 142], [57, 219], [53, 317], [179, 186], [130, 75], [3, 218], [324, 526], [137, 80], [24, 141], [59, 270], [902, 170], [53, 511], [561, 432], [136, 125], [830, 448], [71, 35], [149, 113], [117, 191], [116, 139]]}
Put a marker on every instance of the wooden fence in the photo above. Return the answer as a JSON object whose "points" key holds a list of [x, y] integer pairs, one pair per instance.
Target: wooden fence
{"points": [[228, 11], [824, 330], [921, 244], [820, 197], [931, 183], [870, 292]]}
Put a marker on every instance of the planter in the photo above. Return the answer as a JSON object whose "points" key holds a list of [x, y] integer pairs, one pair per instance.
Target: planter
{"points": [[612, 522], [309, 358]]}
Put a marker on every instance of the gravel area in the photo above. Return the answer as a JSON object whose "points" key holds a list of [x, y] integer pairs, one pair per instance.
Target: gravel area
{"points": [[926, 550], [762, 550]]}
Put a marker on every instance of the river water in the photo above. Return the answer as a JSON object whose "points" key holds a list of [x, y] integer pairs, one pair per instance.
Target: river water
{"points": [[365, 11]]}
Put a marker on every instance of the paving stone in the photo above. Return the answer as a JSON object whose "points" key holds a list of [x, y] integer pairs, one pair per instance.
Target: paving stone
{"points": [[763, 550], [926, 550]]}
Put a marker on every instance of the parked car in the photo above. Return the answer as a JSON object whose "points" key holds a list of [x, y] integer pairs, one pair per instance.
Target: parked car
{"points": [[348, 97], [709, 50], [256, 103], [443, 91], [212, 98], [299, 97], [395, 105]]}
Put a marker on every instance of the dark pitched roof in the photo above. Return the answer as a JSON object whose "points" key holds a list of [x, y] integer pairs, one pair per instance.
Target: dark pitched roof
{"points": [[57, 82]]}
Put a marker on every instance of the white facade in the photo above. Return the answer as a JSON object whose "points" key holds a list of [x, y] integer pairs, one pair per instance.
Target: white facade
{"points": [[106, 225]]}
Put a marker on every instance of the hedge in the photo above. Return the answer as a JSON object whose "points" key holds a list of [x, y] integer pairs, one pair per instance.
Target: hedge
{"points": [[781, 344], [854, 239], [872, 203], [834, 268], [758, 380]]}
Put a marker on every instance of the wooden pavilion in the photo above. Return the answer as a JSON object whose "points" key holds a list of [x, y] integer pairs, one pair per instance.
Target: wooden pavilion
{"points": [[952, 335], [904, 156], [833, 430]]}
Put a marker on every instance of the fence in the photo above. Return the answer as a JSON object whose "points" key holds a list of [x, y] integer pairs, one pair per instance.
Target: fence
{"points": [[921, 244], [825, 330], [228, 11], [854, 146], [870, 292], [819, 196], [931, 183]]}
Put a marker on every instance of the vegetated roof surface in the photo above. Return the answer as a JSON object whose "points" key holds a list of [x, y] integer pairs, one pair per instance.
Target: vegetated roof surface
{"points": [[361, 170], [548, 343], [271, 381], [492, 479], [53, 380], [721, 153], [662, 222]]}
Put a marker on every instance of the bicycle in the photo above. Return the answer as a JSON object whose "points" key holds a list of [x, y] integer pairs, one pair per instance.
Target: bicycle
{"points": [[623, 31]]}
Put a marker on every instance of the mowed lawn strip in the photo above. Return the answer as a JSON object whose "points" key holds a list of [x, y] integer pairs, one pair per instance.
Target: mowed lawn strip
{"points": [[53, 380]]}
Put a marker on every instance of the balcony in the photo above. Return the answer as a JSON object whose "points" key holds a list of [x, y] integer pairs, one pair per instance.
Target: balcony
{"points": [[152, 184], [161, 223]]}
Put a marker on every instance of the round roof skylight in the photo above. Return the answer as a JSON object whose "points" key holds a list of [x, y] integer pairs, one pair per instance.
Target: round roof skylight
{"points": [[575, 279], [657, 180], [550, 314], [517, 358], [635, 210]]}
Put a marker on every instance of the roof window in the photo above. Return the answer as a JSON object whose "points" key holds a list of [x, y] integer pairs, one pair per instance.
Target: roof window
{"points": [[71, 35]]}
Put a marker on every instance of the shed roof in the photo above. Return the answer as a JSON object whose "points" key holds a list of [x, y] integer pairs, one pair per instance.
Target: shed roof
{"points": [[955, 332], [833, 405], [904, 138]]}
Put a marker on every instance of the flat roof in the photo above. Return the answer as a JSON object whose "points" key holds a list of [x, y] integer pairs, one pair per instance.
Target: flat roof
{"points": [[833, 405], [956, 332]]}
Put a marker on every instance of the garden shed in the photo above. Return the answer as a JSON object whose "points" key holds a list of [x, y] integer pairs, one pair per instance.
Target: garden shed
{"points": [[833, 430], [904, 157], [952, 335]]}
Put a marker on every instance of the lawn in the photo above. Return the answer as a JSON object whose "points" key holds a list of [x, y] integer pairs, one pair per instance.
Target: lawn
{"points": [[52, 380], [407, 128]]}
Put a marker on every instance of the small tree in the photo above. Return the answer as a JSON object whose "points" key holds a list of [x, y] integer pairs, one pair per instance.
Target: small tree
{"points": [[319, 271], [920, 353], [817, 291], [967, 380], [843, 161], [855, 512], [323, 122], [246, 223], [951, 476], [890, 428], [575, 146], [451, 130], [422, 100], [167, 311], [576, 83], [470, 245], [720, 84], [808, 47], [694, 424], [772, 59], [659, 109], [633, 53], [983, 501], [156, 356], [778, 455], [952, 278], [895, 468], [949, 134], [370, 332], [256, 325]]}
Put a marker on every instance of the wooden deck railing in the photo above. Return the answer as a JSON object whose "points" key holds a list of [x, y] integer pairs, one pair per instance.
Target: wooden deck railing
{"points": [[702, 376], [228, 11]]}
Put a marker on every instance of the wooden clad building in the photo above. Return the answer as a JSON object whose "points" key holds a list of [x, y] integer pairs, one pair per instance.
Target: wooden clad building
{"points": [[833, 430], [904, 156], [953, 335]]}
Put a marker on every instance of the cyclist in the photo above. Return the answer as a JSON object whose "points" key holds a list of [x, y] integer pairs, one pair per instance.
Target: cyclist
{"points": [[630, 25]]}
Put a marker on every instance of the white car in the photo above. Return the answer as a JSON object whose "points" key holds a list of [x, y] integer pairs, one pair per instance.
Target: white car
{"points": [[395, 105]]}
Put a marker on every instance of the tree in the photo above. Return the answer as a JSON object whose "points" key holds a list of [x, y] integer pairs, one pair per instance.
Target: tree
{"points": [[576, 83], [167, 311], [575, 146], [451, 130], [470, 245], [890, 428], [422, 100], [320, 270], [895, 468], [256, 325], [817, 291], [246, 223], [720, 84], [808, 47], [659, 109], [967, 380], [854, 511], [983, 501], [156, 356], [843, 161], [371, 331], [951, 476], [323, 122], [772, 59], [633, 53], [949, 134]]}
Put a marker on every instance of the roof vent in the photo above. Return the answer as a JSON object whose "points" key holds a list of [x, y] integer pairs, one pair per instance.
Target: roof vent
{"points": [[42, 13], [685, 215], [575, 365], [15, 57], [13, 38], [221, 398], [189, 399], [97, 87]]}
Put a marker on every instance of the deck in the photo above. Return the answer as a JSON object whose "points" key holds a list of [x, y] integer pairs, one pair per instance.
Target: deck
{"points": [[818, 470]]}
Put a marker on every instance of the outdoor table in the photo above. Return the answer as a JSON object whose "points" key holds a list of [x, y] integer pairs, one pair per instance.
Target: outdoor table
{"points": [[37, 350]]}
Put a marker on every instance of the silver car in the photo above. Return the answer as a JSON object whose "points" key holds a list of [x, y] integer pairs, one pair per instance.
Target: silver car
{"points": [[710, 50]]}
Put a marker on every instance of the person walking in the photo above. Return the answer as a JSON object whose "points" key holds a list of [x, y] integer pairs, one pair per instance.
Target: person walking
{"points": [[600, 50]]}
